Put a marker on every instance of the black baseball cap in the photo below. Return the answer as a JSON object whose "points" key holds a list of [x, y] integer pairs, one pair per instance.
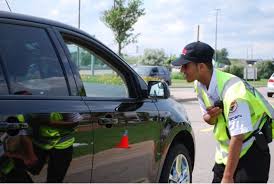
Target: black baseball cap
{"points": [[197, 52]]}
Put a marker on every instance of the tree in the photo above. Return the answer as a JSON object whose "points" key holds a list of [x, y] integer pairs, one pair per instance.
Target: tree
{"points": [[121, 18], [222, 56], [153, 57], [265, 69]]}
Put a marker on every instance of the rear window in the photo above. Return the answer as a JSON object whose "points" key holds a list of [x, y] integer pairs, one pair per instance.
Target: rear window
{"points": [[143, 70], [31, 61]]}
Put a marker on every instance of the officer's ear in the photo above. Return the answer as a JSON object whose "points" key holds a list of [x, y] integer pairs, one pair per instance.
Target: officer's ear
{"points": [[202, 66]]}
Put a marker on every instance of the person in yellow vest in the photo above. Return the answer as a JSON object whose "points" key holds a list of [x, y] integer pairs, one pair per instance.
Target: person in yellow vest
{"points": [[239, 113], [53, 143]]}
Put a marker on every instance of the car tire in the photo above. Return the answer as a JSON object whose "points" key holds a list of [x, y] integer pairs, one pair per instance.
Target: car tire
{"points": [[178, 155], [269, 94]]}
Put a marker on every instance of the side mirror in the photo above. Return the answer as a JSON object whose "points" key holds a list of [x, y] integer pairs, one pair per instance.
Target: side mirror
{"points": [[158, 89]]}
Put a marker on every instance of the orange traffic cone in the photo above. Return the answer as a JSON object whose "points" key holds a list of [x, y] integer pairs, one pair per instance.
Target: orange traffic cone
{"points": [[124, 141]]}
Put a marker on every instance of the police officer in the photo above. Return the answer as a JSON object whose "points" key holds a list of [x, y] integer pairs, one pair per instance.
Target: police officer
{"points": [[53, 143], [238, 113]]}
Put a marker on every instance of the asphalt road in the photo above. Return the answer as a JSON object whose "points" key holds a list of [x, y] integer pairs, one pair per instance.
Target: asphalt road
{"points": [[205, 144]]}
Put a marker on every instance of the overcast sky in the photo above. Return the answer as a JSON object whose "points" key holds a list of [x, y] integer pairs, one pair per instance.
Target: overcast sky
{"points": [[244, 26]]}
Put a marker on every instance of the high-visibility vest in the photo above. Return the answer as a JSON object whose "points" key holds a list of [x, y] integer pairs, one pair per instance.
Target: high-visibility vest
{"points": [[50, 137], [232, 88]]}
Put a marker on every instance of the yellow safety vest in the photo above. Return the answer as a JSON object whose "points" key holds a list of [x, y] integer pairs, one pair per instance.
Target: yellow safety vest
{"points": [[51, 137], [232, 88]]}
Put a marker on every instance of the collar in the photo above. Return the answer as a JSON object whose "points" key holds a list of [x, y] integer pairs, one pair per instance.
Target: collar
{"points": [[212, 85]]}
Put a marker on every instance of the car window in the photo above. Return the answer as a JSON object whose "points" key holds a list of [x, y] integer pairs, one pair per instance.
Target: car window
{"points": [[154, 70], [142, 70], [99, 78], [3, 84], [31, 61], [161, 71]]}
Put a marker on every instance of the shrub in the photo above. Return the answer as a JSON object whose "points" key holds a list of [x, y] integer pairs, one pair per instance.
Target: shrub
{"points": [[235, 70], [177, 75], [265, 69]]}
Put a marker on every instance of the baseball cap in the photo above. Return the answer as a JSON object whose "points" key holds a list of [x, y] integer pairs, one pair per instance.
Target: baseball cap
{"points": [[197, 52]]}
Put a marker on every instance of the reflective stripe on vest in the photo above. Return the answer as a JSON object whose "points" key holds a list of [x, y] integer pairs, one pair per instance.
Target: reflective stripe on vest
{"points": [[224, 152], [50, 137], [6, 166], [232, 88]]}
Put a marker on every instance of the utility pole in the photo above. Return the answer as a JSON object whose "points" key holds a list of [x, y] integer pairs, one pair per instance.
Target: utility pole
{"points": [[8, 5], [252, 52], [198, 33], [216, 30], [79, 13], [79, 25]]}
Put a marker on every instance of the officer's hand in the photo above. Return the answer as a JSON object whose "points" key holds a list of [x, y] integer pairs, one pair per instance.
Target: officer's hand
{"points": [[212, 114], [227, 180]]}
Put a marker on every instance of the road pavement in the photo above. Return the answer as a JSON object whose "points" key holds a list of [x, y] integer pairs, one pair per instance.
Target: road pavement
{"points": [[205, 144]]}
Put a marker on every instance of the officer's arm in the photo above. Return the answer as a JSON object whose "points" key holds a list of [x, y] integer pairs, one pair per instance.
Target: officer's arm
{"points": [[234, 151]]}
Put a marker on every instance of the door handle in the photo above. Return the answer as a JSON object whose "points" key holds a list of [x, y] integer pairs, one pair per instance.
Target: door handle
{"points": [[5, 126], [108, 120]]}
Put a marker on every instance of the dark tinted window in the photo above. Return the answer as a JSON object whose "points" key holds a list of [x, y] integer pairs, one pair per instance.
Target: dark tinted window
{"points": [[99, 78], [161, 71], [3, 84], [31, 61]]}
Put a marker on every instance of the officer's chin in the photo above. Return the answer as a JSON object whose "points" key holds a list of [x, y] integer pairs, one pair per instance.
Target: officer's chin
{"points": [[189, 80]]}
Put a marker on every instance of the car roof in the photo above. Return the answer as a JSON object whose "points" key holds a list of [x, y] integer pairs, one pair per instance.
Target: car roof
{"points": [[29, 18]]}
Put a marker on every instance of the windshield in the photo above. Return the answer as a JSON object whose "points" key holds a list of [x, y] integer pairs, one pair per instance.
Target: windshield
{"points": [[143, 70]]}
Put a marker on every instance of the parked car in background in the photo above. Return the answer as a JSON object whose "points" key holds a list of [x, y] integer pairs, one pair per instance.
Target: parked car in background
{"points": [[270, 86], [159, 72], [101, 125]]}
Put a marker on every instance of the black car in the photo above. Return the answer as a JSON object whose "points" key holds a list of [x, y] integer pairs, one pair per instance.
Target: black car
{"points": [[158, 72], [61, 121]]}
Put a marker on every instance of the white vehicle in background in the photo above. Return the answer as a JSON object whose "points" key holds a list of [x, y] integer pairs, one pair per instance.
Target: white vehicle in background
{"points": [[270, 86]]}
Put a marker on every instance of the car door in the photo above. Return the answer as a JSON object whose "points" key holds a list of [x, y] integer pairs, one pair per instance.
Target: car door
{"points": [[126, 128], [57, 144]]}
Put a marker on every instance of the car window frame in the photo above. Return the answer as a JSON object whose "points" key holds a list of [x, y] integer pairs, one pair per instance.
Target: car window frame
{"points": [[49, 32], [99, 49]]}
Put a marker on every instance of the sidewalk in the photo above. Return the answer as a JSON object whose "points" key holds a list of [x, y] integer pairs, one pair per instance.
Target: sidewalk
{"points": [[183, 94]]}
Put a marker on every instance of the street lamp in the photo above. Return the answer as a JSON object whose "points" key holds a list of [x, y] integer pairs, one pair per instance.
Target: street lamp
{"points": [[8, 5], [217, 10]]}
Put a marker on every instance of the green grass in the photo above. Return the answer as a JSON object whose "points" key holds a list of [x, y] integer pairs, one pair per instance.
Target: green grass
{"points": [[103, 79], [259, 83], [177, 83], [107, 138]]}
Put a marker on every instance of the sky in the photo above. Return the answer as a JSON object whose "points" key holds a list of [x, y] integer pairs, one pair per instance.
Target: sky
{"points": [[244, 27]]}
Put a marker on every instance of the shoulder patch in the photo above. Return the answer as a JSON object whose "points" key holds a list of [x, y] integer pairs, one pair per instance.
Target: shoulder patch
{"points": [[233, 107]]}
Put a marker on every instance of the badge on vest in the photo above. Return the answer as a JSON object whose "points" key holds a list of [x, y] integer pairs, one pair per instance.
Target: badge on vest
{"points": [[233, 107]]}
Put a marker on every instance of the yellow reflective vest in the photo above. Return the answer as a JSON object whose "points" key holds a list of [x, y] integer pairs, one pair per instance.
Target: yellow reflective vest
{"points": [[232, 88], [50, 137]]}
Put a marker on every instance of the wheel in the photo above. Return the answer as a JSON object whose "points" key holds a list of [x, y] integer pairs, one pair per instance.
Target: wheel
{"points": [[177, 167], [269, 94]]}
